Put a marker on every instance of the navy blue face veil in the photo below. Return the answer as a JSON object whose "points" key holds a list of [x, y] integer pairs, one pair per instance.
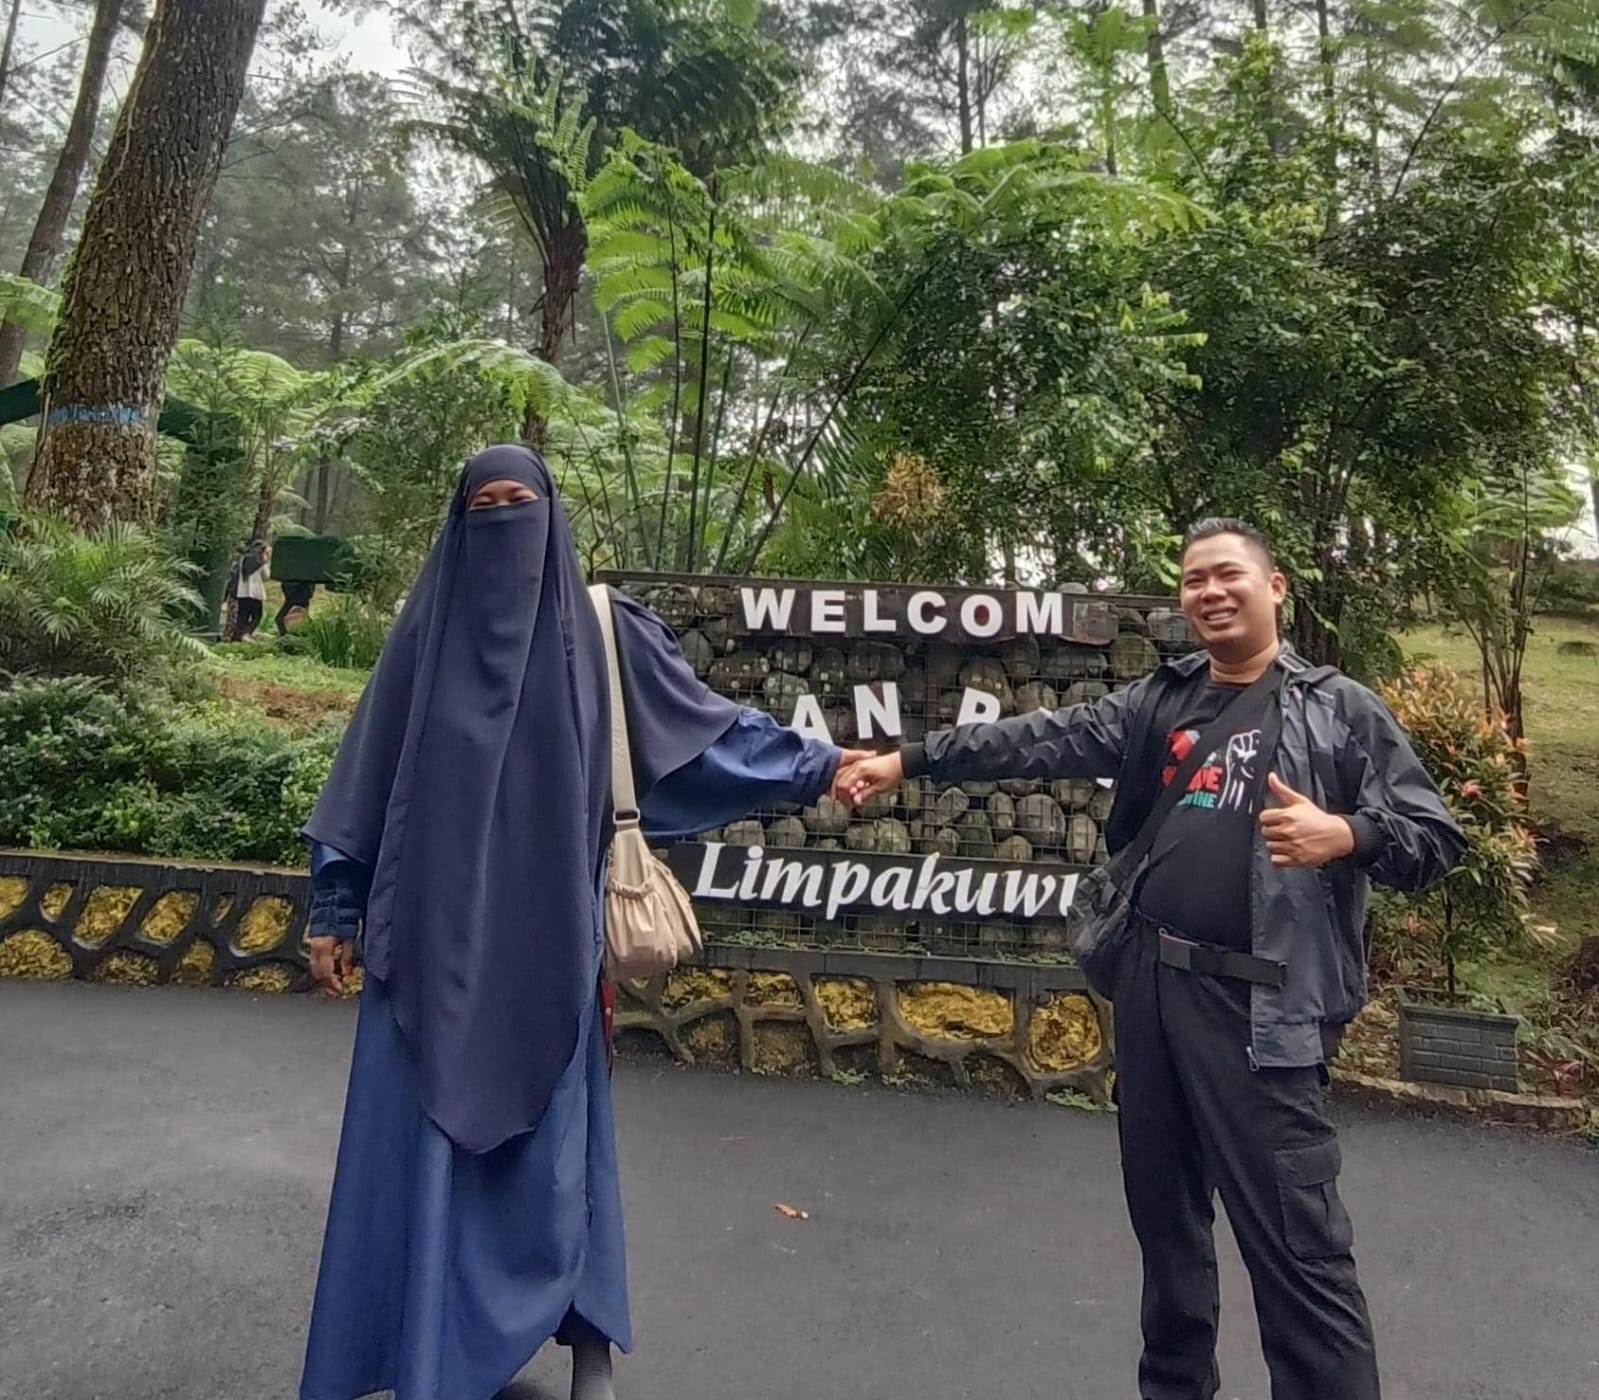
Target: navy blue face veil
{"points": [[475, 781]]}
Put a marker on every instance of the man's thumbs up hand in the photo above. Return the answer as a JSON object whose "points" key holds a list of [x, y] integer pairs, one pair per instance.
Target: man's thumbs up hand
{"points": [[1299, 835], [1283, 793]]}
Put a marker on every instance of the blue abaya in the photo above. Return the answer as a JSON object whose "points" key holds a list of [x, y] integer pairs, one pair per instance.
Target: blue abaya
{"points": [[445, 1270]]}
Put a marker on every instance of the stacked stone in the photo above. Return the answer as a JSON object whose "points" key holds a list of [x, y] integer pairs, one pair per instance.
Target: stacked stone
{"points": [[1059, 823]]}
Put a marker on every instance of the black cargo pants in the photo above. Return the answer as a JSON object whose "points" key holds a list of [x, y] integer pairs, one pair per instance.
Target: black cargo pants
{"points": [[1196, 1120]]}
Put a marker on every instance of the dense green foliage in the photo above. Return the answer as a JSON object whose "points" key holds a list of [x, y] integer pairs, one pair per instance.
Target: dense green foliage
{"points": [[1096, 272], [89, 767], [347, 634], [108, 604]]}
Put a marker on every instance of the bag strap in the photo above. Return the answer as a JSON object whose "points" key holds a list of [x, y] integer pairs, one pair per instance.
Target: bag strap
{"points": [[1257, 693], [624, 801]]}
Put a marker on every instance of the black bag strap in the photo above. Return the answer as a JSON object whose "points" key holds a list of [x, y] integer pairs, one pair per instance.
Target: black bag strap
{"points": [[1257, 694]]}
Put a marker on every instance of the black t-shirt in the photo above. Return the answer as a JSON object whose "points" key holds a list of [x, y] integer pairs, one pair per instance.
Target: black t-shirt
{"points": [[1198, 877]]}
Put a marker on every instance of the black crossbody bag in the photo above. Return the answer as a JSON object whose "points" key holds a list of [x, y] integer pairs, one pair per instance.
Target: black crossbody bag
{"points": [[1099, 924]]}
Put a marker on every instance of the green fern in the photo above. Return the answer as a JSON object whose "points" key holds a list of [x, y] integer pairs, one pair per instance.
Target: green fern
{"points": [[28, 305], [111, 603], [348, 635]]}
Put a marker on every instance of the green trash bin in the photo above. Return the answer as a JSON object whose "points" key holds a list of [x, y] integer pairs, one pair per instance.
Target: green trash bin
{"points": [[325, 560]]}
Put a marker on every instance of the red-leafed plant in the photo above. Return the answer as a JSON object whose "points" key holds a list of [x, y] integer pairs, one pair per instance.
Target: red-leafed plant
{"points": [[1481, 907]]}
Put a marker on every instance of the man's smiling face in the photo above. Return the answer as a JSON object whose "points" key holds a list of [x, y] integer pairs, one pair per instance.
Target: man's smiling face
{"points": [[1231, 595]]}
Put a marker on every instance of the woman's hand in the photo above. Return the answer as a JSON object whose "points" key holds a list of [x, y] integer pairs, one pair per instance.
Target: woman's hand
{"points": [[332, 960], [867, 776], [848, 758]]}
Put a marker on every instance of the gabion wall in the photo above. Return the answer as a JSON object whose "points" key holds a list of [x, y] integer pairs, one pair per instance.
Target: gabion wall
{"points": [[146, 922], [1058, 825]]}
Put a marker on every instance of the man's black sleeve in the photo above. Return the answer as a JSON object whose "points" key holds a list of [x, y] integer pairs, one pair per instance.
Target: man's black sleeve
{"points": [[1405, 837], [1081, 741]]}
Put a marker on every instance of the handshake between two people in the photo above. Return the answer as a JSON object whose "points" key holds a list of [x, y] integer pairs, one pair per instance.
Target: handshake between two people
{"points": [[862, 774]]}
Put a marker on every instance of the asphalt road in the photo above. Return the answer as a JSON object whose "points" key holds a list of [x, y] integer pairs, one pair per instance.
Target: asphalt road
{"points": [[165, 1159]]}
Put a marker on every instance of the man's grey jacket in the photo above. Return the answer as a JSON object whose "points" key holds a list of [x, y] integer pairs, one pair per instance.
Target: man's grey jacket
{"points": [[1339, 745]]}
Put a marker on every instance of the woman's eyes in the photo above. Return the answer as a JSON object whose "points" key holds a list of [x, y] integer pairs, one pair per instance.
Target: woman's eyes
{"points": [[495, 502]]}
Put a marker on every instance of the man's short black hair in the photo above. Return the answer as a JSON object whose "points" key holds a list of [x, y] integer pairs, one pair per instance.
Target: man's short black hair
{"points": [[1226, 525]]}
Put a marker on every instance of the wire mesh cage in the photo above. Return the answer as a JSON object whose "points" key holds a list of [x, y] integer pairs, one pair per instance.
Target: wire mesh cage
{"points": [[875, 692]]}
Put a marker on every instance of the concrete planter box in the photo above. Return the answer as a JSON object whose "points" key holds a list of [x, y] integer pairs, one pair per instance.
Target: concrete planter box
{"points": [[1452, 1045]]}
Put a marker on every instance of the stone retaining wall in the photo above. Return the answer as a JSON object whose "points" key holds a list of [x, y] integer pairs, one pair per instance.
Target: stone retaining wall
{"points": [[945, 1022], [104, 919], [959, 1023]]}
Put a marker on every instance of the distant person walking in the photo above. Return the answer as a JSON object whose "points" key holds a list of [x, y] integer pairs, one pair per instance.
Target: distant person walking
{"points": [[297, 596], [244, 598]]}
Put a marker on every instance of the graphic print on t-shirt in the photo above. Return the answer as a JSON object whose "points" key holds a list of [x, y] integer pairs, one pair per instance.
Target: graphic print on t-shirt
{"points": [[1197, 883], [1226, 781]]}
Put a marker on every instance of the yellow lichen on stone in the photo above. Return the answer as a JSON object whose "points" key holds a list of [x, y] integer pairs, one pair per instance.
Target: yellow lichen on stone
{"points": [[273, 977], [221, 909], [169, 916], [103, 913], [13, 890], [848, 1003], [194, 967], [55, 900], [128, 969], [995, 1077], [772, 989], [711, 1038], [944, 1011], [691, 984], [34, 955], [1064, 1035], [264, 924], [781, 1047]]}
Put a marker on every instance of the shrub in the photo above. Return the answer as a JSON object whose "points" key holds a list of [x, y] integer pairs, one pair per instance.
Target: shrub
{"points": [[85, 766], [110, 603], [349, 635], [1481, 907], [1571, 590]]}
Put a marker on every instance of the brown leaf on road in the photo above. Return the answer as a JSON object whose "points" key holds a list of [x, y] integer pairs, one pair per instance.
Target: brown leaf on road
{"points": [[792, 1212]]}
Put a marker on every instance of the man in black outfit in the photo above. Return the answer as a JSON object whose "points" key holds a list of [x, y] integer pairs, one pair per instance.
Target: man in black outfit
{"points": [[1248, 959]]}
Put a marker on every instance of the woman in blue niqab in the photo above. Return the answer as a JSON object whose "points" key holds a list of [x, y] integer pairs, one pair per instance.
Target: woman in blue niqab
{"points": [[463, 831]]}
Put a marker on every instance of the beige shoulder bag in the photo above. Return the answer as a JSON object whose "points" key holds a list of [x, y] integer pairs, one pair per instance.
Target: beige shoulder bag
{"points": [[649, 922]]}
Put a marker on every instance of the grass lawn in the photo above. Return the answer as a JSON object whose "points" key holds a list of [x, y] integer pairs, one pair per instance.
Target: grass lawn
{"points": [[295, 692]]}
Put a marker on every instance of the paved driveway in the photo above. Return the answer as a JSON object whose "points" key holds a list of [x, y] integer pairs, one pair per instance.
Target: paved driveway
{"points": [[165, 1158]]}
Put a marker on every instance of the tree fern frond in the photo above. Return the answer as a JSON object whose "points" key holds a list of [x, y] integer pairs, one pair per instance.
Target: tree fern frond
{"points": [[28, 305]]}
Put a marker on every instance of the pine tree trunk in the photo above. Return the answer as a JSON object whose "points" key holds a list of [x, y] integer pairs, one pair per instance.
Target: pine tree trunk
{"points": [[1155, 48], [963, 83], [1327, 56], [324, 498], [6, 48], [50, 229], [123, 296], [342, 281]]}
